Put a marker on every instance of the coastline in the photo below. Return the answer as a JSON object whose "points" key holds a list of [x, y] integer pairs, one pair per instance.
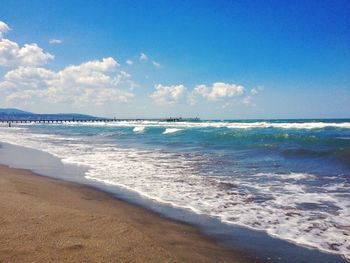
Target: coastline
{"points": [[64, 221], [243, 243]]}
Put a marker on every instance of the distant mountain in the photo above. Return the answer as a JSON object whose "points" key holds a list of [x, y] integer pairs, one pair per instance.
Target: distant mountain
{"points": [[12, 113]]}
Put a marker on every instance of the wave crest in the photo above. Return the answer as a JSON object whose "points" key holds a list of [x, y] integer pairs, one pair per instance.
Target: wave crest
{"points": [[139, 129], [171, 130]]}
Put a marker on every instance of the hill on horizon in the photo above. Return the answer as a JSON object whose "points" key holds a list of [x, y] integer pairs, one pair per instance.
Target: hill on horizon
{"points": [[13, 113]]}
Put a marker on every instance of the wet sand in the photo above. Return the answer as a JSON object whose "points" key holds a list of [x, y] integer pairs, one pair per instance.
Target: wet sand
{"points": [[48, 220]]}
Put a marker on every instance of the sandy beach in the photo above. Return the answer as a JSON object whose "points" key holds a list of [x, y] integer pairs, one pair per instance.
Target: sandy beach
{"points": [[47, 220]]}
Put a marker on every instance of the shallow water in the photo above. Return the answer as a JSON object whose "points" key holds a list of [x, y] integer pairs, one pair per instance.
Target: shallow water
{"points": [[290, 179]]}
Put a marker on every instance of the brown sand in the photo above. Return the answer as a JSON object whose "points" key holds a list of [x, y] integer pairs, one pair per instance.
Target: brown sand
{"points": [[47, 220]]}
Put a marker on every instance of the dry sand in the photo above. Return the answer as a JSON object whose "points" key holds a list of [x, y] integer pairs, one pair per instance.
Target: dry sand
{"points": [[47, 220]]}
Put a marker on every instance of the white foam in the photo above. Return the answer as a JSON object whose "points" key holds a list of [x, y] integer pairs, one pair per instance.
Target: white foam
{"points": [[171, 130], [283, 205], [207, 124], [139, 129], [290, 176]]}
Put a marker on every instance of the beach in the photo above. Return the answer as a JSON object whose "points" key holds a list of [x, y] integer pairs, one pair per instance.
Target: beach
{"points": [[175, 131], [48, 220], [177, 199]]}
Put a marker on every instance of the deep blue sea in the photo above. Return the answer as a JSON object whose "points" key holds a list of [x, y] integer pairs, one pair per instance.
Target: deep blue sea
{"points": [[289, 178]]}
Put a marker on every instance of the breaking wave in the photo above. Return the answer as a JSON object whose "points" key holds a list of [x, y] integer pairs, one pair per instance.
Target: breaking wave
{"points": [[303, 207]]}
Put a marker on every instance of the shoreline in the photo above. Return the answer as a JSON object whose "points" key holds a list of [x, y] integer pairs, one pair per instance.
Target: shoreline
{"points": [[248, 245], [67, 221]]}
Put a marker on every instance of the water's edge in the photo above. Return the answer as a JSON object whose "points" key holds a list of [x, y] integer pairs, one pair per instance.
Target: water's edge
{"points": [[255, 244]]}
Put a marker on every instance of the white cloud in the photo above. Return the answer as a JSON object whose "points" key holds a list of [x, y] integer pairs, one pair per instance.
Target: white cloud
{"points": [[11, 54], [92, 67], [28, 55], [168, 94], [254, 91], [4, 28], [257, 90], [219, 90], [129, 62], [226, 94], [249, 99], [96, 81], [55, 41], [143, 57], [156, 64]]}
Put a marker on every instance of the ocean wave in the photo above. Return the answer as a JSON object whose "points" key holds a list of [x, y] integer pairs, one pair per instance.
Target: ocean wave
{"points": [[307, 125], [289, 176], [139, 129], [289, 125], [171, 130], [291, 206]]}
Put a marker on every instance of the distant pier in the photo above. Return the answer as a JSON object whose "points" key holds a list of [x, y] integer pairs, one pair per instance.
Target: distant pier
{"points": [[54, 120], [67, 120]]}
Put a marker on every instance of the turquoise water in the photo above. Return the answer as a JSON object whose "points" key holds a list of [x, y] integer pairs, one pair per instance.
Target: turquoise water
{"points": [[289, 178]]}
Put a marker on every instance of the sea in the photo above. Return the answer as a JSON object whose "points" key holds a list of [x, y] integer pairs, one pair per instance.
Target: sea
{"points": [[289, 179]]}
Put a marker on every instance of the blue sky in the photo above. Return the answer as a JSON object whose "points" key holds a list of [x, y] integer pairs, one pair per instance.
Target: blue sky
{"points": [[213, 59]]}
